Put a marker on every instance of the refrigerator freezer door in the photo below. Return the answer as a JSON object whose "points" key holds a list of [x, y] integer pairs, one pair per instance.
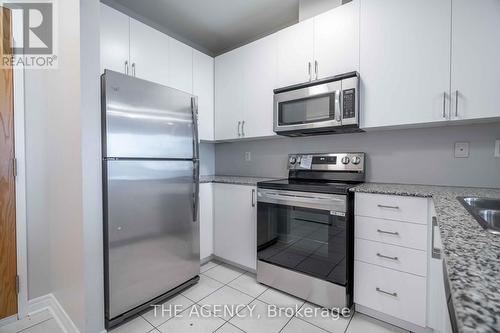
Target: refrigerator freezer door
{"points": [[143, 119], [151, 240]]}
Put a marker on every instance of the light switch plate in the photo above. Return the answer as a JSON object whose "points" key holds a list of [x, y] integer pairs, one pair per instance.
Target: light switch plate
{"points": [[248, 156], [461, 149], [497, 148]]}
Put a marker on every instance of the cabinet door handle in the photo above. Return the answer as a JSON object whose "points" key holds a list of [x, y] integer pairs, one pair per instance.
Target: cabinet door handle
{"points": [[309, 70], [243, 128], [126, 67], [253, 197], [390, 207], [239, 132], [456, 103], [316, 68], [395, 233], [386, 257], [386, 292], [436, 253], [444, 105], [133, 69]]}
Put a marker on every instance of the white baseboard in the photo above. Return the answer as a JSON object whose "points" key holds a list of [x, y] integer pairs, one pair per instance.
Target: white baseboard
{"points": [[8, 320], [50, 302], [392, 320], [206, 259], [232, 263]]}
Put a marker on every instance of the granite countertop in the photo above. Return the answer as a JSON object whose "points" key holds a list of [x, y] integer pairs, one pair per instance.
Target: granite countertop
{"points": [[471, 254], [237, 180]]}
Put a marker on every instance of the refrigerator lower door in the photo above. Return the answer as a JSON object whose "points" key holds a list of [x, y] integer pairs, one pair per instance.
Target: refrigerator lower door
{"points": [[151, 240]]}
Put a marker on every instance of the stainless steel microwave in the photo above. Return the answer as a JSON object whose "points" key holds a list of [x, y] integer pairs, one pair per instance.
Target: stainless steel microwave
{"points": [[324, 106]]}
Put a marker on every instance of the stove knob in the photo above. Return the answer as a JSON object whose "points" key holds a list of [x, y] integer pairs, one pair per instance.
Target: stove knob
{"points": [[293, 160], [356, 160], [345, 160]]}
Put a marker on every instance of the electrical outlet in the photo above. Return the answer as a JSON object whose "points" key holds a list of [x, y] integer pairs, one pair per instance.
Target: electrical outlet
{"points": [[248, 156], [461, 149], [497, 148]]}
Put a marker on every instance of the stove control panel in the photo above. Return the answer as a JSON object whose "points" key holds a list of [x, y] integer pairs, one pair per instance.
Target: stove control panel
{"points": [[343, 162]]}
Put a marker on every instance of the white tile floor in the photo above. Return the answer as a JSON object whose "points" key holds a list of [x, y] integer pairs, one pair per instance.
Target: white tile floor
{"points": [[221, 284]]}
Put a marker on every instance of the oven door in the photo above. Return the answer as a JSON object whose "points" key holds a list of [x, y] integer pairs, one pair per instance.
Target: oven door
{"points": [[305, 232]]}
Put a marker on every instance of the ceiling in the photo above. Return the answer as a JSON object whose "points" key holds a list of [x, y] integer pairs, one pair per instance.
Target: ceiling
{"points": [[215, 26]]}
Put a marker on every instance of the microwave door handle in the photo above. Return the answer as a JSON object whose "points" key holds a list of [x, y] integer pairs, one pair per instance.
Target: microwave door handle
{"points": [[337, 106]]}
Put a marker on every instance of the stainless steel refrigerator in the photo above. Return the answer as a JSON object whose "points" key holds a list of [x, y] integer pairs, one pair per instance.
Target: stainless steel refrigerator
{"points": [[150, 192]]}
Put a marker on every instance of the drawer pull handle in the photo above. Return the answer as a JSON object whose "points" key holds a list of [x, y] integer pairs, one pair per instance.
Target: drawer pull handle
{"points": [[390, 207], [386, 292], [386, 257], [395, 233]]}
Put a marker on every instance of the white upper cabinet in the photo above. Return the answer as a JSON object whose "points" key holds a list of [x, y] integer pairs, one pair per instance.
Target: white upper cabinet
{"points": [[336, 41], [404, 62], [244, 83], [295, 53], [475, 59], [148, 53], [114, 40], [229, 95], [203, 87], [259, 61], [180, 69], [131, 47]]}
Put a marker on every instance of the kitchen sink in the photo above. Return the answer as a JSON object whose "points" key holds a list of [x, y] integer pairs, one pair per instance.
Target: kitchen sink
{"points": [[485, 210]]}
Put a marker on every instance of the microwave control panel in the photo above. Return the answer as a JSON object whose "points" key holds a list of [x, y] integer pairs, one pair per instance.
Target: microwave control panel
{"points": [[349, 103]]}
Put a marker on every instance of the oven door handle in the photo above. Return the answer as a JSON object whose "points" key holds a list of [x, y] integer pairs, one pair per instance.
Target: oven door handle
{"points": [[301, 197], [331, 204]]}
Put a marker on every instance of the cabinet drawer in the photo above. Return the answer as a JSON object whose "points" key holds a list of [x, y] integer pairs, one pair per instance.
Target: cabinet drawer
{"points": [[391, 232], [392, 207], [391, 256], [397, 294]]}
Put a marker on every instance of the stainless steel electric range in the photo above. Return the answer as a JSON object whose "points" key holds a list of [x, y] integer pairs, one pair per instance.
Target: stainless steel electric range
{"points": [[305, 228]]}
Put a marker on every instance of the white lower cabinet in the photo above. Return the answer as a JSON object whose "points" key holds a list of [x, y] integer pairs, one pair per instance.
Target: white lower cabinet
{"points": [[206, 220], [391, 258], [395, 293], [438, 317], [235, 215]]}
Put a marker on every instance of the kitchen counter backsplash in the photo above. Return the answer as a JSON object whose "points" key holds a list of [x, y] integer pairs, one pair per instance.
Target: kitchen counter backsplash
{"points": [[471, 254]]}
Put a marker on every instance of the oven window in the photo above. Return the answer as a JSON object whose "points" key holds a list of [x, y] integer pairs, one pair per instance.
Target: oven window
{"points": [[306, 240], [307, 110]]}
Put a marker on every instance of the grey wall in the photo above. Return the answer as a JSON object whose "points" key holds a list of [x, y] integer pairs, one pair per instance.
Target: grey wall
{"points": [[63, 170], [207, 158], [417, 156], [90, 105], [38, 233]]}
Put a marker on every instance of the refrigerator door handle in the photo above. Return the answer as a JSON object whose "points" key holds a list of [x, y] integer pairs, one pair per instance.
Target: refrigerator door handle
{"points": [[196, 155], [196, 192], [194, 111]]}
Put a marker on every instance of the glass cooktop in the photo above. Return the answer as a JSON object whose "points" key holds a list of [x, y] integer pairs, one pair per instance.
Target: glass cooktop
{"points": [[318, 186]]}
